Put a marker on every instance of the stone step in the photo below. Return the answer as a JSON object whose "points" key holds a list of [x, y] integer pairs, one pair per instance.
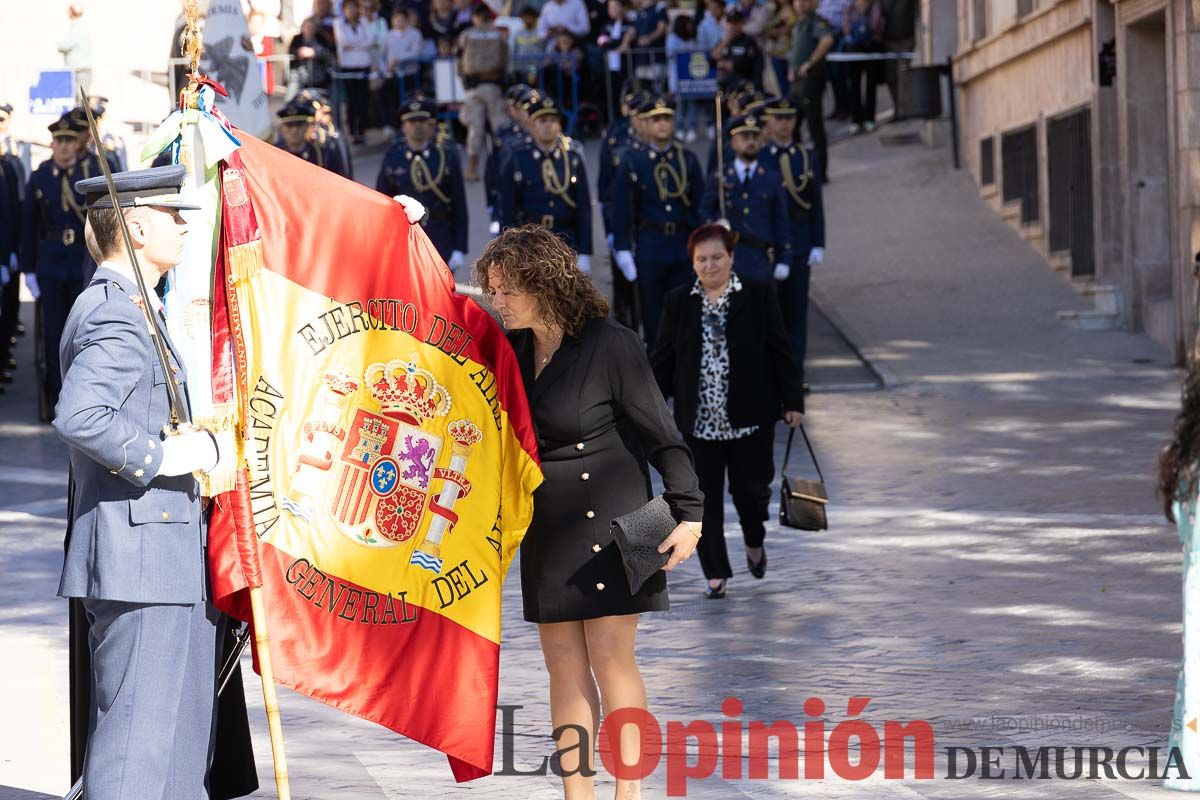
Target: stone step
{"points": [[1091, 320]]}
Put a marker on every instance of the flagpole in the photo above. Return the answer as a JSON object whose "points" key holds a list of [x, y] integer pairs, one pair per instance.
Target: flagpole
{"points": [[262, 649]]}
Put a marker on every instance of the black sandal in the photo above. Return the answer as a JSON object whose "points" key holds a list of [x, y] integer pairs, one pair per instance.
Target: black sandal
{"points": [[715, 594]]}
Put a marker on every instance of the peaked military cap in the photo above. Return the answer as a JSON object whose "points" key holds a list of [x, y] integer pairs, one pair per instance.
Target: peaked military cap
{"points": [[642, 102], [296, 110], [156, 186], [544, 105], [65, 126], [514, 93], [6, 109], [747, 123], [418, 108], [779, 107], [659, 105], [314, 97], [529, 99]]}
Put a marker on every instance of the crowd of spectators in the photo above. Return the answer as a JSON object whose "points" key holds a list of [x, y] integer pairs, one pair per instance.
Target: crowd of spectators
{"points": [[582, 51]]}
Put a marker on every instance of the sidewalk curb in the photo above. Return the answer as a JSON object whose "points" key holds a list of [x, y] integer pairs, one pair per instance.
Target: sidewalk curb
{"points": [[868, 355]]}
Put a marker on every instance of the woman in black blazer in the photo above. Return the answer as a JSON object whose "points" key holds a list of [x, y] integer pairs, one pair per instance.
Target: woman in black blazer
{"points": [[723, 354], [599, 419]]}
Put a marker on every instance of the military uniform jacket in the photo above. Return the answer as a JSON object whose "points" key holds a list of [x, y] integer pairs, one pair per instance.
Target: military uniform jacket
{"points": [[757, 209], [502, 141], [617, 139], [656, 202], [433, 175], [52, 221], [11, 191], [551, 189], [135, 536], [323, 155], [800, 174]]}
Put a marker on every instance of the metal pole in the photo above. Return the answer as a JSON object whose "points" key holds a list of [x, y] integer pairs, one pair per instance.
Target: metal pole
{"points": [[953, 111]]}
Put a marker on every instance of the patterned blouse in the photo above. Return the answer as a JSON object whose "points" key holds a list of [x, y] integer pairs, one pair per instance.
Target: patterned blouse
{"points": [[712, 414]]}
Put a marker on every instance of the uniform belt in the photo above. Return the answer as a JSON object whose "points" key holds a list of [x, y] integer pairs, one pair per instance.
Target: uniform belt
{"points": [[436, 214], [551, 221], [799, 214], [752, 241], [665, 228], [68, 236]]}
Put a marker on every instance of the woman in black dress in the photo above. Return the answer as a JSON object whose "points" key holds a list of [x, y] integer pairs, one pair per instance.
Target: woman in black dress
{"points": [[599, 418]]}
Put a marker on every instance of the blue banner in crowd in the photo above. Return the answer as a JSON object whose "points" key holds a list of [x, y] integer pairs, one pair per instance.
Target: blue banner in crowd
{"points": [[697, 77], [54, 92]]}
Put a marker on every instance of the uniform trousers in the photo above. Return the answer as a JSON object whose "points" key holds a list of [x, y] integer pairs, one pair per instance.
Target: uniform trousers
{"points": [[750, 462], [153, 688], [10, 316], [654, 281], [809, 95], [484, 105], [57, 297], [793, 301]]}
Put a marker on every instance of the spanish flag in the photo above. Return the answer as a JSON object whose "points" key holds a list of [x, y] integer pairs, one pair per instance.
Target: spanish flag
{"points": [[390, 454]]}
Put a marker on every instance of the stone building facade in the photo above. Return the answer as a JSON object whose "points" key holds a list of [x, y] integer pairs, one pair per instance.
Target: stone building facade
{"points": [[1080, 120]]}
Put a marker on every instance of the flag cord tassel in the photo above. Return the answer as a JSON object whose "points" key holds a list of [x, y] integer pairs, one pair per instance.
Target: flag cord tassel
{"points": [[263, 651]]}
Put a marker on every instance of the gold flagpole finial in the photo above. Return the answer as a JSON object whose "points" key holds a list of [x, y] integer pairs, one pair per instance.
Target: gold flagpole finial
{"points": [[192, 46]]}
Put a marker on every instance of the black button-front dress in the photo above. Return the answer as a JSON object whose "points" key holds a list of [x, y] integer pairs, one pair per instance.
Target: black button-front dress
{"points": [[600, 421]]}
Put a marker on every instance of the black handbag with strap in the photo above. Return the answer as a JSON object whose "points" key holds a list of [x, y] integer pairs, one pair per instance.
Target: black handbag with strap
{"points": [[802, 502]]}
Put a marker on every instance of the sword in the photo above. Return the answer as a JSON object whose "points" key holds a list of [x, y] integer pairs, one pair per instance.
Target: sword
{"points": [[231, 663], [179, 410], [720, 100]]}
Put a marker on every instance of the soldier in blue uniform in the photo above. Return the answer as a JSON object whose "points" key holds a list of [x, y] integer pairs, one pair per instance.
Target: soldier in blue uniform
{"points": [[617, 139], [297, 137], [656, 195], [800, 173], [325, 133], [743, 98], [53, 255], [429, 170], [135, 547], [12, 193], [755, 206], [507, 136], [547, 183]]}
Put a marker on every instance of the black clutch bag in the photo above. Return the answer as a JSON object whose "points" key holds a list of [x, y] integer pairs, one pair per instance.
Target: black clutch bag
{"points": [[638, 535], [802, 502]]}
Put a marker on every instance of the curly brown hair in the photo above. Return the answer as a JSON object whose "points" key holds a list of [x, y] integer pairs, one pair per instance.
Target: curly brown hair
{"points": [[534, 260]]}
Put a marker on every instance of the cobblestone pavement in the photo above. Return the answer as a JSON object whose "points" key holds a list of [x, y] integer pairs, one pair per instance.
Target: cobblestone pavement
{"points": [[996, 562]]}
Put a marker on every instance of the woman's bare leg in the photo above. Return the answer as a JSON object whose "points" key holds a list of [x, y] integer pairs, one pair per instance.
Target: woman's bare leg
{"points": [[573, 701]]}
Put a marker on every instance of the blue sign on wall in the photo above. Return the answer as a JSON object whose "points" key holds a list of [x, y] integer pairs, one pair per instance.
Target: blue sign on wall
{"points": [[697, 77], [54, 92]]}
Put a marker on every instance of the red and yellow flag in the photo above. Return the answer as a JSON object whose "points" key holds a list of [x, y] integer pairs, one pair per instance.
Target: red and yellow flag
{"points": [[391, 456]]}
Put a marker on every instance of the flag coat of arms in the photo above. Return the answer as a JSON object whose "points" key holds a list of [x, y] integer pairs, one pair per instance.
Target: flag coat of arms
{"points": [[390, 454]]}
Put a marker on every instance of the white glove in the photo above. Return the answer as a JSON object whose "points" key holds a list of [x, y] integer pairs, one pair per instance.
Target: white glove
{"points": [[226, 452], [494, 229], [412, 208], [816, 256], [188, 452], [782, 271], [5, 275], [626, 265], [31, 285], [585, 263], [456, 260]]}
